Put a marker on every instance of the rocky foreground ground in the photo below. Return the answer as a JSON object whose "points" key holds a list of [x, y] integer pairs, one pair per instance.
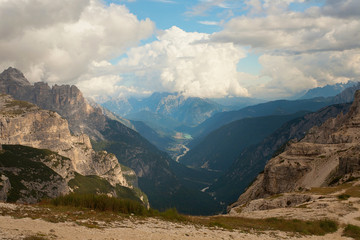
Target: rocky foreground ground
{"points": [[341, 203]]}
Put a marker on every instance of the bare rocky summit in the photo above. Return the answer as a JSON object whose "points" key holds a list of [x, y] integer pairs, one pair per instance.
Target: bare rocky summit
{"points": [[326, 155], [66, 100]]}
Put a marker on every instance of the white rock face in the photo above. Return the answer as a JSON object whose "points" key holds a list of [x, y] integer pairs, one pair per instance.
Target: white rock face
{"points": [[25, 124], [5, 187]]}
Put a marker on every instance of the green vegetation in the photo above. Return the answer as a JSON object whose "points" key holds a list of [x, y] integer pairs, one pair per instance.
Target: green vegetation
{"points": [[329, 190], [158, 180], [318, 227], [353, 191], [97, 185], [222, 146], [17, 107], [352, 231], [100, 203], [99, 145], [35, 237], [23, 159], [19, 103], [343, 197], [116, 205]]}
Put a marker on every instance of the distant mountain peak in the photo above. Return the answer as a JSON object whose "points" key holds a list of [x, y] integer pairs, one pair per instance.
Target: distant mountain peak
{"points": [[328, 90], [14, 75]]}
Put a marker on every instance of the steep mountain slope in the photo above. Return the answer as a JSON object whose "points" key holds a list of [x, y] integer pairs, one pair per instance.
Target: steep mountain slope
{"points": [[327, 154], [162, 124], [235, 103], [23, 123], [252, 159], [218, 150], [151, 165], [279, 107], [156, 178]]}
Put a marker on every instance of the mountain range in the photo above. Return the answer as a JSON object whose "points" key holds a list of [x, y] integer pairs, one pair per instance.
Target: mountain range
{"points": [[328, 90], [239, 150], [152, 166], [86, 148]]}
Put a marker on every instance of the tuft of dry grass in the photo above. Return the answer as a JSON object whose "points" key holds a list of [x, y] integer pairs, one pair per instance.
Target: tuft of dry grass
{"points": [[318, 227], [329, 190], [35, 237], [352, 231]]}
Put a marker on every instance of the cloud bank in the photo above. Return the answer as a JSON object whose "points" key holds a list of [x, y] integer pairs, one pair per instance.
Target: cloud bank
{"points": [[65, 41], [188, 63], [300, 50]]}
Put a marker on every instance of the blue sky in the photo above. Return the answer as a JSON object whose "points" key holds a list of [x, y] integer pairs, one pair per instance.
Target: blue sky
{"points": [[205, 48], [183, 14], [189, 16]]}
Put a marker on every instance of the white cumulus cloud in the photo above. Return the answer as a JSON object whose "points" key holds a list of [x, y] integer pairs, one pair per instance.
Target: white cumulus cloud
{"points": [[61, 41], [300, 50], [188, 63]]}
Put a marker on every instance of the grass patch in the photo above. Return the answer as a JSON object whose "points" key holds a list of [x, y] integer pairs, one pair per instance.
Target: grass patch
{"points": [[35, 237], [353, 191], [275, 196], [329, 190], [352, 231], [343, 197], [102, 203], [93, 184], [319, 227]]}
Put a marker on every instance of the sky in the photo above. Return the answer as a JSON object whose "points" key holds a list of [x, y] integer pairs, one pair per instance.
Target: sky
{"points": [[267, 49]]}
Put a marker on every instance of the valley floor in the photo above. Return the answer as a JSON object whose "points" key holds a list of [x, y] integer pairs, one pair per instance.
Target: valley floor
{"points": [[25, 222]]}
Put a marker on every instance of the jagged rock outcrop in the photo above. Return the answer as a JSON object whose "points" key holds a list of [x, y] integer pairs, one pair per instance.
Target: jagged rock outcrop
{"points": [[326, 154], [5, 187], [22, 123], [66, 100], [25, 124]]}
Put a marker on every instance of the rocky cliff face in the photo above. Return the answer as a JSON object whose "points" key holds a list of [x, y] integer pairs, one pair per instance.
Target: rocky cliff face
{"points": [[27, 174], [25, 124], [253, 159], [66, 100], [325, 155]]}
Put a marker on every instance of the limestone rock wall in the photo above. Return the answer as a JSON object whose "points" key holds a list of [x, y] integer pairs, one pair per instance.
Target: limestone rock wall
{"points": [[325, 153], [25, 124]]}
